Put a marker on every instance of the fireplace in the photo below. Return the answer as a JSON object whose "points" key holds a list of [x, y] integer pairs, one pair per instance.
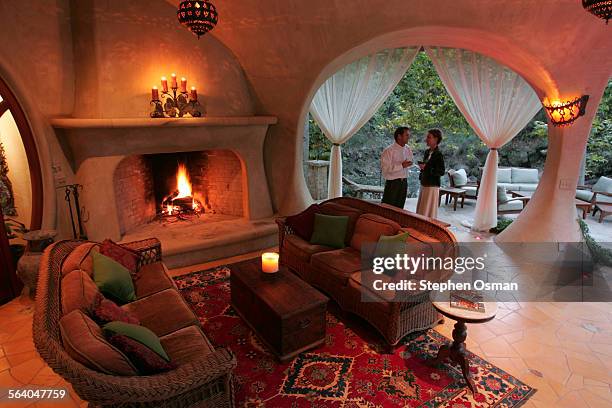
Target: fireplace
{"points": [[178, 187]]}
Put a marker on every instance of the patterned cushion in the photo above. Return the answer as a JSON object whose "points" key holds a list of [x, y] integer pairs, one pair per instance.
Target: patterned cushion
{"points": [[120, 254], [83, 340], [79, 292], [370, 227], [107, 311], [303, 223], [146, 360]]}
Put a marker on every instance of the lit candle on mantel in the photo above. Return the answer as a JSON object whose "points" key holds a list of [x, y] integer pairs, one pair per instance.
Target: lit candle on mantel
{"points": [[164, 82], [155, 94], [194, 94], [269, 262], [183, 84], [174, 85]]}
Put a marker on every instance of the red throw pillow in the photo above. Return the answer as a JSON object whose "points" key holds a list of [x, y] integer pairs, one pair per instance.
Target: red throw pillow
{"points": [[121, 254], [143, 358], [106, 311], [303, 223]]}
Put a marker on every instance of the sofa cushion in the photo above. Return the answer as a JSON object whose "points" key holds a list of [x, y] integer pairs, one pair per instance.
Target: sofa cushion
{"points": [[584, 195], [303, 223], [302, 249], [603, 185], [83, 341], [524, 176], [603, 199], [525, 187], [507, 186], [139, 333], [120, 254], [420, 236], [146, 361], [331, 208], [504, 175], [107, 311], [470, 191], [460, 177], [113, 279], [512, 205], [329, 230], [80, 258], [186, 344], [370, 227], [339, 264], [502, 196], [152, 278], [162, 312], [79, 292]]}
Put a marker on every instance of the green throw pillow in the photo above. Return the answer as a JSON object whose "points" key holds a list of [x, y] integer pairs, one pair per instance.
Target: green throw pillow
{"points": [[329, 230], [139, 333], [391, 245], [113, 279]]}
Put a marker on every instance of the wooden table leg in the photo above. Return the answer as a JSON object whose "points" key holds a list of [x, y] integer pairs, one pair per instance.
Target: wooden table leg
{"points": [[456, 197], [462, 200], [457, 353]]}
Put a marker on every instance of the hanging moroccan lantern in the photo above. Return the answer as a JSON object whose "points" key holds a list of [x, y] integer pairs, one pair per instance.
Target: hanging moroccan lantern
{"points": [[600, 8], [198, 16]]}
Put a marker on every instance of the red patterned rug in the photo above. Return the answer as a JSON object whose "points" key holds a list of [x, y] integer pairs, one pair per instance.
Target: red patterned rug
{"points": [[349, 370]]}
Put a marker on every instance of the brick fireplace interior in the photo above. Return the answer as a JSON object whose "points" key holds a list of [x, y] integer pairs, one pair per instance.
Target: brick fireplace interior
{"points": [[142, 182]]}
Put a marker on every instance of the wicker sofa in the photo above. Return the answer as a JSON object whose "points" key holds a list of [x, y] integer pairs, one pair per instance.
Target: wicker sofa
{"points": [[202, 376], [337, 272]]}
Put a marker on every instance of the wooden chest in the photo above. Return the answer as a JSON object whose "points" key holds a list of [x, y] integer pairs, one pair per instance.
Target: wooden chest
{"points": [[287, 314]]}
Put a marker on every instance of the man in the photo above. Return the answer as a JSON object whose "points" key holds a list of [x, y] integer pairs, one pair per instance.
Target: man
{"points": [[394, 161]]}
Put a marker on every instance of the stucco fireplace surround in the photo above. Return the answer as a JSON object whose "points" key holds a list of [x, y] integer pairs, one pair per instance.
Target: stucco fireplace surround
{"points": [[112, 159]]}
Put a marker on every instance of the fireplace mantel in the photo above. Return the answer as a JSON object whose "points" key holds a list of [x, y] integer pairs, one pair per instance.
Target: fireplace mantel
{"points": [[95, 147]]}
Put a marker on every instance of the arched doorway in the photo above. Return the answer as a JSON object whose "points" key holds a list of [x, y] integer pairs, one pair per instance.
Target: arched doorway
{"points": [[20, 185]]}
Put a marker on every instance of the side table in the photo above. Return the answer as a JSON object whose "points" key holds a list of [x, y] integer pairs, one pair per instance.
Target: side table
{"points": [[456, 351], [452, 193], [27, 270]]}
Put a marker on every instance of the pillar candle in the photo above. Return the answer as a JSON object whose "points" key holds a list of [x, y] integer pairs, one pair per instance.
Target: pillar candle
{"points": [[155, 94], [269, 262], [194, 94], [183, 84], [164, 83], [174, 85]]}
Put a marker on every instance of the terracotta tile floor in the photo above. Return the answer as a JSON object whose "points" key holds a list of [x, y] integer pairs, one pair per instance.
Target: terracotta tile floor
{"points": [[564, 350]]}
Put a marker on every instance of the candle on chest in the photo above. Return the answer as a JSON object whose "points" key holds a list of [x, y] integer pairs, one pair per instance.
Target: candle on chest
{"points": [[269, 262]]}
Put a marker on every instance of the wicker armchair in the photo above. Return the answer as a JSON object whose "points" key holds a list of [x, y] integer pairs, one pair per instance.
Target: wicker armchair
{"points": [[202, 382], [396, 319]]}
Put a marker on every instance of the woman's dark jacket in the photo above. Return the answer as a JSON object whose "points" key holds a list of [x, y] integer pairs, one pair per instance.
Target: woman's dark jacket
{"points": [[434, 168]]}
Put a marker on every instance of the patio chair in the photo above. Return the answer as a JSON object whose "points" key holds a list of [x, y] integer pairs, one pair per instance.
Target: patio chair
{"points": [[362, 189], [507, 205], [459, 179], [598, 193]]}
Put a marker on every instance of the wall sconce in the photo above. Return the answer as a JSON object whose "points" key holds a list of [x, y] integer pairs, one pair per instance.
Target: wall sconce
{"points": [[566, 113]]}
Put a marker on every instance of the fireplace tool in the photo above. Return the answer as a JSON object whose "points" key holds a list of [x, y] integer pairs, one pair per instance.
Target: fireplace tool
{"points": [[71, 193]]}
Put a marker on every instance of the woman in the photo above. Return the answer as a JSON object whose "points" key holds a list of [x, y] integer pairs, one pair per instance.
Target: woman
{"points": [[432, 168]]}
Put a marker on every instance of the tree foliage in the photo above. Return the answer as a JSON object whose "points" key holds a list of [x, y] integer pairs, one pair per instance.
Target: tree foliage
{"points": [[421, 102]]}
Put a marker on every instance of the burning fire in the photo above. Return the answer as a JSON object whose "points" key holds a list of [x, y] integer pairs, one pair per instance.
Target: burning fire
{"points": [[183, 199]]}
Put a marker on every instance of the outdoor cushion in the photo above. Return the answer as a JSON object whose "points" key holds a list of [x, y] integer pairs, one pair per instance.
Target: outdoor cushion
{"points": [[162, 312], [502, 197], [113, 279], [507, 186], [123, 255], [512, 205], [504, 175], [152, 278], [603, 185], [139, 333], [331, 208], [329, 230], [79, 259], [83, 341], [460, 177], [79, 292], [369, 229], [186, 344], [525, 187], [301, 248], [303, 223], [584, 195], [470, 191], [338, 264], [525, 176], [603, 199], [389, 246]]}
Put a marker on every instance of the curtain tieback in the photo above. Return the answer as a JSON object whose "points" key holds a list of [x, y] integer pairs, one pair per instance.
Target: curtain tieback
{"points": [[494, 148], [336, 144]]}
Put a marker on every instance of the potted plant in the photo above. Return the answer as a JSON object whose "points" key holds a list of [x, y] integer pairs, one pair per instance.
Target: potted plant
{"points": [[15, 229]]}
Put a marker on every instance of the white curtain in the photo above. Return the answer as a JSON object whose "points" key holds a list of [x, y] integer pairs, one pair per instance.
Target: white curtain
{"points": [[347, 100], [497, 103]]}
